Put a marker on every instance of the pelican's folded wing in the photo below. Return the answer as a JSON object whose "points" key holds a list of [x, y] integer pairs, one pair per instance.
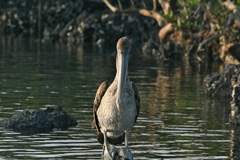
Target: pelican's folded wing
{"points": [[100, 93]]}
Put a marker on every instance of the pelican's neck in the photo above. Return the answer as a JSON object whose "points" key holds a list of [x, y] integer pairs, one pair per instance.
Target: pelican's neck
{"points": [[122, 73]]}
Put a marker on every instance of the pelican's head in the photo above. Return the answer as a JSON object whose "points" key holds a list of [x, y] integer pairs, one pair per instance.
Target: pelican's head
{"points": [[123, 45]]}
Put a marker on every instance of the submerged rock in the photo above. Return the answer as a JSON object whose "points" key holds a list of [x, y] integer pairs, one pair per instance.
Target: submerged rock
{"points": [[220, 84], [39, 121]]}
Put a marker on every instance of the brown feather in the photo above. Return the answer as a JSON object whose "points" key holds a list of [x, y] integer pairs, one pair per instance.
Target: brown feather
{"points": [[100, 93], [95, 124]]}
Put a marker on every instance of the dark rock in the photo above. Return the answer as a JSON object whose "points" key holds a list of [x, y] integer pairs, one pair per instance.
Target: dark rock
{"points": [[39, 121], [215, 85], [236, 94], [235, 100], [220, 84], [235, 118]]}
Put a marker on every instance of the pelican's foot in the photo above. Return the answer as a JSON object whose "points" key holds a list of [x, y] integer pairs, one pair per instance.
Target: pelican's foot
{"points": [[124, 154], [109, 152]]}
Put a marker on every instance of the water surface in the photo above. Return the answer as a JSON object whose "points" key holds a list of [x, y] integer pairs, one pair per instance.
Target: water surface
{"points": [[176, 120]]}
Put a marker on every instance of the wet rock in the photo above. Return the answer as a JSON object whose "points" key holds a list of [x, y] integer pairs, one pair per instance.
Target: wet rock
{"points": [[230, 80], [236, 92], [219, 84], [215, 84], [235, 100], [235, 118], [39, 121]]}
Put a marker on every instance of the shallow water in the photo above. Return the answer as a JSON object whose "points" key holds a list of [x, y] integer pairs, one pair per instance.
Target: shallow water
{"points": [[176, 120]]}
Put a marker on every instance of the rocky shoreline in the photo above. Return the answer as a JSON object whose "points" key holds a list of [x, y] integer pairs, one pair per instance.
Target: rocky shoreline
{"points": [[235, 118], [226, 85], [39, 121], [154, 31]]}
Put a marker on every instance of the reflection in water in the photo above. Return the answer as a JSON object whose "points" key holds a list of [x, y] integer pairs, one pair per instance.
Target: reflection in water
{"points": [[176, 119], [235, 142]]}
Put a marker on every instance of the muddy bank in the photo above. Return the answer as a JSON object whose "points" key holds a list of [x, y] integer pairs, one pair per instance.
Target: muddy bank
{"points": [[39, 121]]}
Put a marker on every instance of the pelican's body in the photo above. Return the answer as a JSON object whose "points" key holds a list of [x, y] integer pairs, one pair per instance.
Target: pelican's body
{"points": [[115, 121], [116, 105]]}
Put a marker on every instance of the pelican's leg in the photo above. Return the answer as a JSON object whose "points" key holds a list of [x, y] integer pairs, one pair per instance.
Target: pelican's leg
{"points": [[105, 144], [106, 154], [109, 150], [126, 139], [127, 152], [105, 139]]}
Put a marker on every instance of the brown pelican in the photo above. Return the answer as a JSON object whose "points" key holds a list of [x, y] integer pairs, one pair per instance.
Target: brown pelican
{"points": [[116, 105]]}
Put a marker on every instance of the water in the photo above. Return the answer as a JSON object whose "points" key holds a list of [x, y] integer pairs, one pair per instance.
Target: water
{"points": [[176, 120]]}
